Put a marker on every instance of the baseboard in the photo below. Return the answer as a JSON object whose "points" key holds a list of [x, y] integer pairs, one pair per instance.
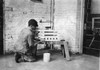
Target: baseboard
{"points": [[90, 51]]}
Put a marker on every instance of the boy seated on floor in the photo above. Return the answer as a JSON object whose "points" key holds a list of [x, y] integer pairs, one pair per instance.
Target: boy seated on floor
{"points": [[26, 45]]}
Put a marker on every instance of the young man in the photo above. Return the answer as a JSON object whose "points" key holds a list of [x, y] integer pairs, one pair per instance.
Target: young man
{"points": [[26, 45]]}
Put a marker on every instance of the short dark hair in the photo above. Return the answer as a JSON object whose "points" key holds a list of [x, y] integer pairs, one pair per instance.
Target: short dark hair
{"points": [[32, 22]]}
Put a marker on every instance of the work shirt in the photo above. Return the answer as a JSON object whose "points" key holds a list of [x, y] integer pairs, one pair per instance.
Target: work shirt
{"points": [[25, 40]]}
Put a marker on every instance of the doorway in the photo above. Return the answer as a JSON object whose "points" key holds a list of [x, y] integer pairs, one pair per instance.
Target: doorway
{"points": [[91, 42]]}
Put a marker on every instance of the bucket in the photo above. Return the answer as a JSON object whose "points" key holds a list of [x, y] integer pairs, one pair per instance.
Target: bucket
{"points": [[46, 57]]}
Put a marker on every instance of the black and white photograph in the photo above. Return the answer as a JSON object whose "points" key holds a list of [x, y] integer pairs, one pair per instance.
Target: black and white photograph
{"points": [[49, 34]]}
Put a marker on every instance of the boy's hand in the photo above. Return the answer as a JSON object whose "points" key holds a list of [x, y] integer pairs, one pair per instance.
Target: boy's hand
{"points": [[42, 40]]}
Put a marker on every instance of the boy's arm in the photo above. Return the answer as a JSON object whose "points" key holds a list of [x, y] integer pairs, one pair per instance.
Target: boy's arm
{"points": [[30, 40]]}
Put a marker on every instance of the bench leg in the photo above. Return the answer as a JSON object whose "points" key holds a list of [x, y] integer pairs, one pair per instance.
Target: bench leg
{"points": [[66, 49]]}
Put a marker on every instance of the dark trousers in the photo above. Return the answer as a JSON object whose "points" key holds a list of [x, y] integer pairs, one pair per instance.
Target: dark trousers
{"points": [[29, 55]]}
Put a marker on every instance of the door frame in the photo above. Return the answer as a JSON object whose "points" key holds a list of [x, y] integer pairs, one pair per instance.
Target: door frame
{"points": [[80, 24]]}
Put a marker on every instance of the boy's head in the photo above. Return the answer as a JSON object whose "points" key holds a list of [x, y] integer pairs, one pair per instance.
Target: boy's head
{"points": [[32, 22]]}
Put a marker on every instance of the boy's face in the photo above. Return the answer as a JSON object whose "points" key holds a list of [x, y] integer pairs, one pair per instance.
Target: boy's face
{"points": [[33, 27]]}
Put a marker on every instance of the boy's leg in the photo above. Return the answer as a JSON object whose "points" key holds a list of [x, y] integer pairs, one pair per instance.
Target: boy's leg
{"points": [[34, 52], [19, 57], [30, 55]]}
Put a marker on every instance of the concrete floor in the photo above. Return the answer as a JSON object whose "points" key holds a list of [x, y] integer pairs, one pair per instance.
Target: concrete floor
{"points": [[78, 62]]}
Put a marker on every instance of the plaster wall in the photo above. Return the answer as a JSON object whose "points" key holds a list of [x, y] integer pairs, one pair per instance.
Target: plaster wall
{"points": [[66, 21], [17, 14]]}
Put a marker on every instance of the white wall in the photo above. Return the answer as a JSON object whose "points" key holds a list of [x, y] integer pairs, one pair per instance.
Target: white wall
{"points": [[65, 20], [17, 14]]}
